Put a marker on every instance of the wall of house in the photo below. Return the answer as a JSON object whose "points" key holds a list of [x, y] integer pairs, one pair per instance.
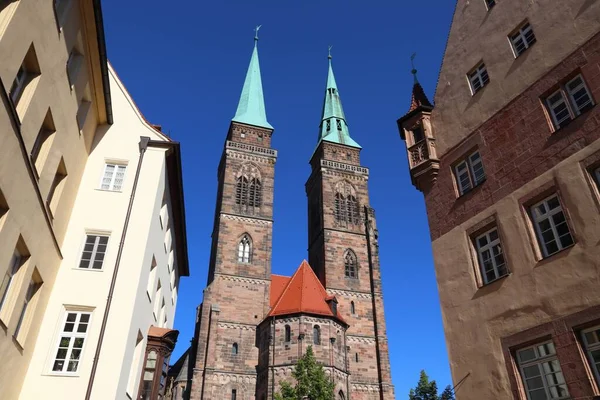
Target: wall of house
{"points": [[134, 304], [41, 230], [525, 159]]}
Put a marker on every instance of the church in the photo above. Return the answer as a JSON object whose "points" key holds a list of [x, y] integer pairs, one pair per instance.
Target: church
{"points": [[253, 325]]}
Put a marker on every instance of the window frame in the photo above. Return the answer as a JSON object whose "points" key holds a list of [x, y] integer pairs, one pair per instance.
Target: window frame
{"points": [[111, 184], [539, 361], [568, 99], [72, 335], [536, 219], [17, 260], [350, 264], [478, 72], [589, 348], [287, 334], [244, 250], [489, 246], [596, 175], [94, 252], [469, 164], [521, 33]]}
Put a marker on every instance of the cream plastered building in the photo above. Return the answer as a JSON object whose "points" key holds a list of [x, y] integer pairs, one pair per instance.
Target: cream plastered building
{"points": [[55, 96], [125, 241]]}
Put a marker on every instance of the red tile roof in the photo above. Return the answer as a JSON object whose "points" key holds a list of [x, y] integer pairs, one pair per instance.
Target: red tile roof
{"points": [[302, 293], [419, 98]]}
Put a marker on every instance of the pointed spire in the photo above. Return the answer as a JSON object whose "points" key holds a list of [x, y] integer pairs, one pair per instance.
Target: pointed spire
{"points": [[419, 98], [333, 126], [251, 108]]}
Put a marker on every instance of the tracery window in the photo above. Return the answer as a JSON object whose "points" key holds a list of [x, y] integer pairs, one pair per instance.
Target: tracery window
{"points": [[346, 208], [248, 189], [244, 249], [350, 264]]}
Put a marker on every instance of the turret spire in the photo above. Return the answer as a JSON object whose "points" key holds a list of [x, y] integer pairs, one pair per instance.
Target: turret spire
{"points": [[333, 126], [251, 108]]}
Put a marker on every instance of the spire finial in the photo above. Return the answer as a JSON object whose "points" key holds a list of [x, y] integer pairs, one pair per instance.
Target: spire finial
{"points": [[256, 33], [414, 70], [329, 52]]}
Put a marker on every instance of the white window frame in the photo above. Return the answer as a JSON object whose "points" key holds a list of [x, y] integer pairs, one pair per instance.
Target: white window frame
{"points": [[244, 248], [490, 247], [567, 98], [111, 184], [539, 218], [541, 360], [18, 85], [467, 166], [590, 347], [73, 335], [476, 74], [95, 252], [521, 33]]}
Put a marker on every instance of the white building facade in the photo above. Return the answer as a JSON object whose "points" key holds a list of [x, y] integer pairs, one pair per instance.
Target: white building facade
{"points": [[107, 329]]}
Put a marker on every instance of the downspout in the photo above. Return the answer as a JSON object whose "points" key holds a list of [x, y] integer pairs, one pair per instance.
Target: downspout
{"points": [[346, 367], [273, 362], [143, 145], [373, 301]]}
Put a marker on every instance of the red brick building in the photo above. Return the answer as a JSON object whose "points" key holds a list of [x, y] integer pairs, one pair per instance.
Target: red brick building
{"points": [[508, 160], [253, 325]]}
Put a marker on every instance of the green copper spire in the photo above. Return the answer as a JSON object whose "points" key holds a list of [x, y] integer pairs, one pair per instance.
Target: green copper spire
{"points": [[251, 108], [333, 126]]}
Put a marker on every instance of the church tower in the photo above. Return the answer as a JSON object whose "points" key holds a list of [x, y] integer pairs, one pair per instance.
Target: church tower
{"points": [[236, 299], [343, 249]]}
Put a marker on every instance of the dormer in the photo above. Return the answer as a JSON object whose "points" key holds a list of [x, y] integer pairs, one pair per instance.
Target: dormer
{"points": [[416, 131]]}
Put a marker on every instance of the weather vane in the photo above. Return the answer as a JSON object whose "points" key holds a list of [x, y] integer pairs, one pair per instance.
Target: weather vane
{"points": [[412, 63], [329, 51], [256, 32]]}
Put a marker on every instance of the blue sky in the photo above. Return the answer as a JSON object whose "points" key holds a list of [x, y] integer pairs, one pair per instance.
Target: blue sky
{"points": [[184, 64]]}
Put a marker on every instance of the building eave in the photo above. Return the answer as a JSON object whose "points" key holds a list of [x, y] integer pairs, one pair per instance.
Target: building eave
{"points": [[103, 60]]}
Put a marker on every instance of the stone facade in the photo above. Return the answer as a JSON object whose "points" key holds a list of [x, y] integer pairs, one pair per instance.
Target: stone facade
{"points": [[541, 296]]}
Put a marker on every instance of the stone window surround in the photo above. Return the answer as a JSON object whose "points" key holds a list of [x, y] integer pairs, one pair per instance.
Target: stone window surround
{"points": [[465, 158], [589, 166], [534, 197], [564, 333]]}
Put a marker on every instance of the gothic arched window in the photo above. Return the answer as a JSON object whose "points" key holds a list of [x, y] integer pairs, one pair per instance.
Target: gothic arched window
{"points": [[346, 209], [341, 396], [234, 349], [340, 207], [352, 209], [317, 334], [288, 333], [244, 249], [248, 190], [350, 264]]}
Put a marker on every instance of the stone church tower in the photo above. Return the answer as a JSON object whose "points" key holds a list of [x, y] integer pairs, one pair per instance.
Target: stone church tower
{"points": [[253, 326]]}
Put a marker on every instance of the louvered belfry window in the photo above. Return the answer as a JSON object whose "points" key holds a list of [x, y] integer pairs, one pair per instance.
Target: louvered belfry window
{"points": [[248, 191], [346, 209]]}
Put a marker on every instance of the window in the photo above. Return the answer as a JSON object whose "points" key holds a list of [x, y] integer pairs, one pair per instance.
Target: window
{"points": [[356, 357], [82, 112], [248, 193], [244, 249], [94, 251], [522, 39], [551, 226], [18, 84], [135, 363], [156, 303], [341, 395], [596, 176], [317, 334], [163, 310], [58, 184], [234, 349], [328, 124], [255, 193], [43, 142], [114, 175], [3, 207], [591, 343], [490, 4], [569, 101], [233, 394], [151, 279], [478, 78], [74, 65], [541, 372], [288, 333], [7, 282], [71, 340], [60, 8], [28, 308], [490, 255], [24, 80], [469, 173], [352, 308], [339, 124], [418, 134], [148, 377], [346, 209], [350, 267]]}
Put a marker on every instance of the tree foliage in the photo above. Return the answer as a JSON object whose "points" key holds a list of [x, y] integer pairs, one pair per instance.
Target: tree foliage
{"points": [[427, 390], [311, 381]]}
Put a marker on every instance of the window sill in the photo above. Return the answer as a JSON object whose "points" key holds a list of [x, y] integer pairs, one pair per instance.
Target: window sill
{"points": [[473, 190], [88, 269], [560, 129], [558, 254], [490, 283], [18, 343], [62, 374], [108, 190]]}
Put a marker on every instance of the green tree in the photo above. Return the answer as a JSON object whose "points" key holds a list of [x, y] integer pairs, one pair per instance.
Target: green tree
{"points": [[427, 390], [311, 381]]}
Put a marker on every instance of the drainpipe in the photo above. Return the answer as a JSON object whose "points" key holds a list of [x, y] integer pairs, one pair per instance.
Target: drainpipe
{"points": [[143, 145]]}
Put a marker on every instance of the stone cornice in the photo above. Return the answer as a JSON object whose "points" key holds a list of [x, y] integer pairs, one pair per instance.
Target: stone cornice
{"points": [[348, 293], [344, 167], [251, 149], [246, 220]]}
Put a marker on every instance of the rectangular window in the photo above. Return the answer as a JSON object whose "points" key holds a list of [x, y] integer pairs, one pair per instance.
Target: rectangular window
{"points": [[58, 184], [569, 101], [114, 175], [490, 3], [469, 173], [478, 78], [233, 394], [94, 250], [551, 225], [71, 340], [541, 373], [6, 286], [28, 308], [591, 344], [522, 39], [74, 65], [491, 257]]}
